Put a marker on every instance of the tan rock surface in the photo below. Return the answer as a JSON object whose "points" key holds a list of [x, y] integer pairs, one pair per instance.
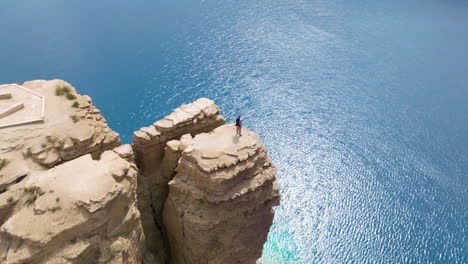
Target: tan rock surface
{"points": [[59, 138], [219, 207], [157, 158], [73, 213], [71, 193], [61, 201]]}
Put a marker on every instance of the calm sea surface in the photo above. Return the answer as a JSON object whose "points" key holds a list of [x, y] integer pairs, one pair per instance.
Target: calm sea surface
{"points": [[363, 105]]}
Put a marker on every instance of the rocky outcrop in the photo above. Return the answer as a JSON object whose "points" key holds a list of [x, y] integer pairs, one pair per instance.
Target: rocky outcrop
{"points": [[67, 187], [187, 191], [219, 207], [149, 142], [157, 161], [87, 130], [72, 127], [83, 211]]}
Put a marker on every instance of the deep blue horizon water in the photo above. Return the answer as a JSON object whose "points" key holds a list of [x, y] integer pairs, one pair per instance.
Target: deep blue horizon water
{"points": [[363, 105]]}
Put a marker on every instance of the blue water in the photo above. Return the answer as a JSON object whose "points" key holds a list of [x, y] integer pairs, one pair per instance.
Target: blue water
{"points": [[363, 105]]}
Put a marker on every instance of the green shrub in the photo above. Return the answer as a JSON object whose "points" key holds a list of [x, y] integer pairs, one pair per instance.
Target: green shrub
{"points": [[75, 104], [43, 145], [32, 189], [70, 96], [59, 91], [57, 199], [3, 163], [74, 118], [19, 83], [31, 199], [33, 193], [10, 199]]}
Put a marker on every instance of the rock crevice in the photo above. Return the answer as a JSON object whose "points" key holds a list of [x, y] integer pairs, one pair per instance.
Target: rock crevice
{"points": [[157, 153], [219, 207], [187, 191]]}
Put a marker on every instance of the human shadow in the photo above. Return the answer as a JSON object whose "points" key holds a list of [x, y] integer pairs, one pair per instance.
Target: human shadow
{"points": [[235, 139]]}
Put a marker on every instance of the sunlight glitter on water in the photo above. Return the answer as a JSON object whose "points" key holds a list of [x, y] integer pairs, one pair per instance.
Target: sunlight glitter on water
{"points": [[361, 104]]}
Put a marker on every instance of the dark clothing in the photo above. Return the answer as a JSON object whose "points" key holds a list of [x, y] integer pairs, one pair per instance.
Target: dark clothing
{"points": [[238, 122]]}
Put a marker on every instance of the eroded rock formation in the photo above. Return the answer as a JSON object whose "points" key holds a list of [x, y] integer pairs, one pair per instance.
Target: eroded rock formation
{"points": [[83, 211], [157, 162], [65, 195], [188, 191], [66, 133], [219, 208]]}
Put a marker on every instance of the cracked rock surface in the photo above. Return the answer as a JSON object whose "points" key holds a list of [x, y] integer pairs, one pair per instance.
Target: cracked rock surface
{"points": [[157, 152], [187, 191], [74, 213], [219, 207], [67, 187], [59, 138]]}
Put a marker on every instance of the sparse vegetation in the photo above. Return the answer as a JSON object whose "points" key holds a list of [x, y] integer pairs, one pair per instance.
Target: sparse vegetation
{"points": [[3, 163], [32, 189], [10, 199], [44, 145], [66, 89], [19, 83], [57, 199], [59, 91], [55, 208], [33, 193], [31, 199], [70, 96], [74, 118]]}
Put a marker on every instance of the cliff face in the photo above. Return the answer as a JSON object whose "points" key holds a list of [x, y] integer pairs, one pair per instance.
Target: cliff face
{"points": [[206, 199], [187, 191], [219, 208], [83, 211], [65, 195], [157, 163]]}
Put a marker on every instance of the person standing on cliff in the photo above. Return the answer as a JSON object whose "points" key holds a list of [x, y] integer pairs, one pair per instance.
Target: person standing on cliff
{"points": [[238, 126]]}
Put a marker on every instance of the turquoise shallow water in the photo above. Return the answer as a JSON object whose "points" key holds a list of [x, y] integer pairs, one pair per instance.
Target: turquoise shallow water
{"points": [[362, 104]]}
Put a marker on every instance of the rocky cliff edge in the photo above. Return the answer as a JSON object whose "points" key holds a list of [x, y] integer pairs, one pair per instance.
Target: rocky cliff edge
{"points": [[187, 191]]}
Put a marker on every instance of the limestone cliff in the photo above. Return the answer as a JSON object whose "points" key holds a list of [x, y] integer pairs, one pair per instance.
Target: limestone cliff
{"points": [[219, 208], [216, 190], [188, 191], [71, 127], [63, 197], [83, 211], [157, 163]]}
